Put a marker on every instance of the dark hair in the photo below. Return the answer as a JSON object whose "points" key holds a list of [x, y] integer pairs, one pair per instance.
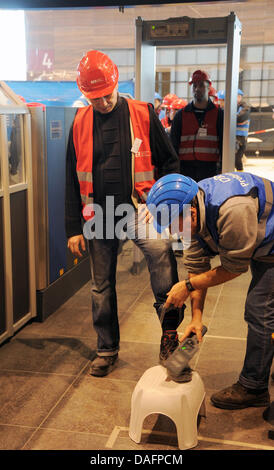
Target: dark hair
{"points": [[194, 202]]}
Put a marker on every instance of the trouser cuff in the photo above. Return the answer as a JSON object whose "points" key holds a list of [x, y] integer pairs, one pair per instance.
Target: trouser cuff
{"points": [[251, 384]]}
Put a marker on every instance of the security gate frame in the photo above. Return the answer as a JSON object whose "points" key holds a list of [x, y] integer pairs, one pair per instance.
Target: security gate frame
{"points": [[192, 31]]}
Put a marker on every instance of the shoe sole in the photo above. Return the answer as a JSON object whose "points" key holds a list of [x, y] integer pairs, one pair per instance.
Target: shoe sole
{"points": [[231, 406]]}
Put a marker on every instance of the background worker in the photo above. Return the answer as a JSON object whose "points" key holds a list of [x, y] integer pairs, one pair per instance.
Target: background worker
{"points": [[212, 93], [114, 148], [221, 98], [242, 128], [231, 216], [176, 104], [166, 106], [158, 105], [197, 132]]}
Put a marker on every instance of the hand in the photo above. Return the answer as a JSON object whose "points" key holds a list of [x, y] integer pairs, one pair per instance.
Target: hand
{"points": [[73, 245], [194, 327], [177, 295], [144, 215]]}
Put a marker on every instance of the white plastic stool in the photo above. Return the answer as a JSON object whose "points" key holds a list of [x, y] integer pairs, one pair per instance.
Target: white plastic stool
{"points": [[182, 402]]}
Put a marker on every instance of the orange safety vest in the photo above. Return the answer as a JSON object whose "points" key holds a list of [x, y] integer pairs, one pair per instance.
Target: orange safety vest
{"points": [[143, 171], [196, 143]]}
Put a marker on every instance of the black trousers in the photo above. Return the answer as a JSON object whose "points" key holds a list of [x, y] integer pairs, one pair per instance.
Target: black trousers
{"points": [[240, 150], [198, 170]]}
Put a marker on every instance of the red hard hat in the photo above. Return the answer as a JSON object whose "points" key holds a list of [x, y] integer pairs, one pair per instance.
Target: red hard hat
{"points": [[97, 75], [178, 104], [199, 76], [168, 99], [212, 92]]}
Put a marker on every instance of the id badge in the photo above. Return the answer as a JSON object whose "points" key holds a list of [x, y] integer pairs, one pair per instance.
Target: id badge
{"points": [[202, 132], [136, 145]]}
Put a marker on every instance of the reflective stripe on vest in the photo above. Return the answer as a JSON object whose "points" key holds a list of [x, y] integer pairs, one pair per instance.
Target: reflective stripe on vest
{"points": [[194, 146], [143, 173], [243, 128]]}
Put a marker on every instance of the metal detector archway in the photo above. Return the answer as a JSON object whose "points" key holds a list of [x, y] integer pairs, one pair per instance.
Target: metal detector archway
{"points": [[192, 31]]}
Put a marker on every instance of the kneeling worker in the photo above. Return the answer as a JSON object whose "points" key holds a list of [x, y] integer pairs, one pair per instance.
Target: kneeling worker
{"points": [[232, 216]]}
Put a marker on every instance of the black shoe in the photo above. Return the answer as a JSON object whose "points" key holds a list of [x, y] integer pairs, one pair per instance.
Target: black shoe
{"points": [[169, 343], [238, 397], [103, 365]]}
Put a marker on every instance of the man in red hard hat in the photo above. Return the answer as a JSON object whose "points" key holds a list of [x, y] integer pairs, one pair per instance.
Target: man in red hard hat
{"points": [[166, 105], [177, 104], [197, 131], [115, 148]]}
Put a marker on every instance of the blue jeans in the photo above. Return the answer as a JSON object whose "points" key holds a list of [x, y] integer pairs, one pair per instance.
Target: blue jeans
{"points": [[259, 314], [162, 267]]}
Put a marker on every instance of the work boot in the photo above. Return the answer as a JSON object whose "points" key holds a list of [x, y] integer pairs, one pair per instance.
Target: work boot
{"points": [[103, 365], [169, 343], [238, 397]]}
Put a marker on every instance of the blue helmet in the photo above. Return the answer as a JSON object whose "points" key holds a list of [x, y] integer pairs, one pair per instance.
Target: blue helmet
{"points": [[240, 92], [157, 96], [221, 94], [167, 197]]}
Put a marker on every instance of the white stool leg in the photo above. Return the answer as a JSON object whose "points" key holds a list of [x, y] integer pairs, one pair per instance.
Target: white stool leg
{"points": [[202, 411], [186, 424], [186, 432], [136, 425]]}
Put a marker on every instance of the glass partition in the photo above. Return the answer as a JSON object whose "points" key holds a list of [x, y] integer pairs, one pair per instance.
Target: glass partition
{"points": [[15, 149], [17, 262], [4, 98]]}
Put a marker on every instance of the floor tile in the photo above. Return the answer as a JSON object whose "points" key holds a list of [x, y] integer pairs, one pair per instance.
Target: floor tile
{"points": [[26, 398], [14, 437], [55, 439], [220, 361], [93, 405], [50, 354]]}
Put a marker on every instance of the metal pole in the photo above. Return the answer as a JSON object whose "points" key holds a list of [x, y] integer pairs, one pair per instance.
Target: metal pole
{"points": [[145, 66], [232, 78]]}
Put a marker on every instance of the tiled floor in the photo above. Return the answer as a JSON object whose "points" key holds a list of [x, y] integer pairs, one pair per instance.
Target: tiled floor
{"points": [[260, 166], [48, 400]]}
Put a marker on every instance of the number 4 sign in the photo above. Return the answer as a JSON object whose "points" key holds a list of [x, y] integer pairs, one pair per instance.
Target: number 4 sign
{"points": [[40, 60], [46, 61]]}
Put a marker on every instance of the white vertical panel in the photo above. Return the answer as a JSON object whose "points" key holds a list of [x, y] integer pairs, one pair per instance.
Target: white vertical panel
{"points": [[13, 63]]}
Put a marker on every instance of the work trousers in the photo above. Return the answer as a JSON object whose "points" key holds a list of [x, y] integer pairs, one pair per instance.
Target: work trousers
{"points": [[259, 314], [162, 267], [198, 170], [240, 150]]}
